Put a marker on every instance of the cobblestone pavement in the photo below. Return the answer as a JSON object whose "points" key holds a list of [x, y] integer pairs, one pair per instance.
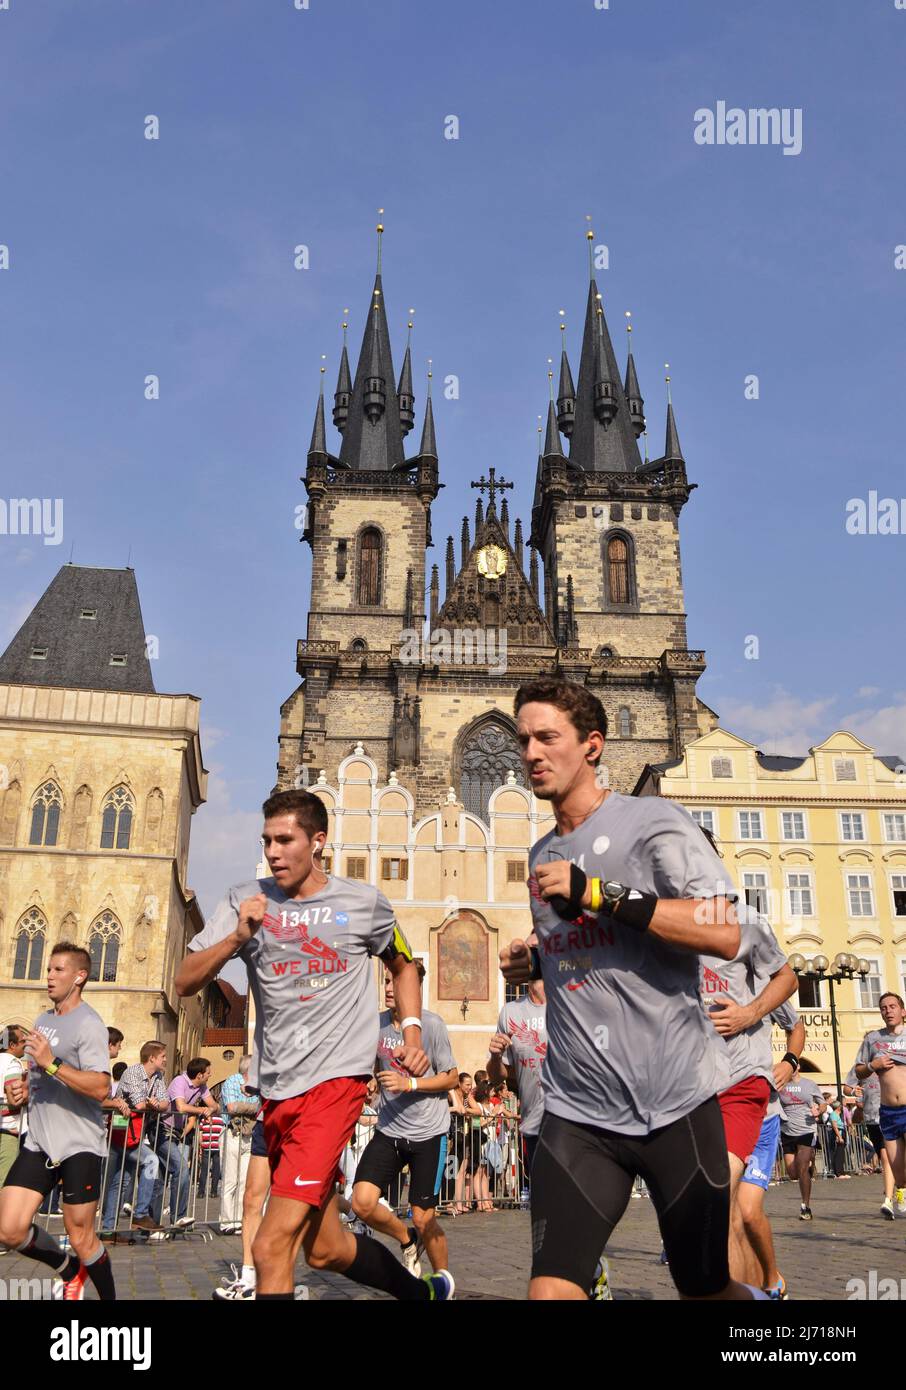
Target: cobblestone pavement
{"points": [[489, 1253]]}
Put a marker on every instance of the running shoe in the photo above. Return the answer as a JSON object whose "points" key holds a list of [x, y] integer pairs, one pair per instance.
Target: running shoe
{"points": [[74, 1288], [901, 1201], [237, 1291], [777, 1292], [805, 1213], [600, 1289], [887, 1209], [441, 1286], [411, 1254]]}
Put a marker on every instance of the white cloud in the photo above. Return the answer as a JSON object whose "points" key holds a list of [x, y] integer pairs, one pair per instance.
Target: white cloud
{"points": [[865, 692], [783, 724], [883, 729], [225, 846]]}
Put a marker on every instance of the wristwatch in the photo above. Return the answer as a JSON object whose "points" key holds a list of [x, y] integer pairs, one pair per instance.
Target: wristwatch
{"points": [[613, 892], [54, 1067]]}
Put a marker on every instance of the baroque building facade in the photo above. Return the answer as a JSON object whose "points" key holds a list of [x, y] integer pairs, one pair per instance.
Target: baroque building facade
{"points": [[818, 844], [100, 776], [412, 674]]}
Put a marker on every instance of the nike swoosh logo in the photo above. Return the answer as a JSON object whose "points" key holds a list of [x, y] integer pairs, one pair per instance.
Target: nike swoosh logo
{"points": [[305, 1182], [572, 985]]}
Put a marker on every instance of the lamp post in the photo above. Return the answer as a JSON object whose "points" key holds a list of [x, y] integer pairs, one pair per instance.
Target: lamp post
{"points": [[845, 967]]}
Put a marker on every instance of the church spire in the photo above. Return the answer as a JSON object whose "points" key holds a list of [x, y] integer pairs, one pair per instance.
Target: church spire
{"points": [[603, 437], [566, 400], [404, 393], [317, 450], [672, 451], [429, 442], [632, 392], [373, 433], [465, 544], [344, 384]]}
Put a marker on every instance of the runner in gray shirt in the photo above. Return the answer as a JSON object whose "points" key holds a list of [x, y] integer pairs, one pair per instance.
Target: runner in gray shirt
{"points": [[307, 940], [68, 1078], [802, 1103], [737, 997], [413, 1121], [625, 894]]}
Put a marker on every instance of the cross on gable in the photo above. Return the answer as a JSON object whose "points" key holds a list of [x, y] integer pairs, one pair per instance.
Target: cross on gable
{"points": [[492, 485]]}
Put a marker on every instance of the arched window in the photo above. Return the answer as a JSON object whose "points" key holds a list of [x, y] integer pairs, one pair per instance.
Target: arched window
{"points": [[488, 754], [369, 569], [45, 815], [104, 940], [31, 934], [625, 722], [619, 589], [116, 823], [358, 645]]}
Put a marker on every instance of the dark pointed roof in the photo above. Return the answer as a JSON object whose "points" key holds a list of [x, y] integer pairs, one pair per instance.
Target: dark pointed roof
{"points": [[344, 381], [592, 446], [672, 451], [379, 445], [632, 381], [319, 433], [79, 649], [429, 442], [566, 378], [552, 438], [405, 384]]}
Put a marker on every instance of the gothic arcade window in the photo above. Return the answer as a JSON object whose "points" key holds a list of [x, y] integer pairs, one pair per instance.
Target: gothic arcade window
{"points": [[104, 941], [116, 823], [31, 933], [489, 753], [369, 569], [45, 815], [619, 587], [625, 722]]}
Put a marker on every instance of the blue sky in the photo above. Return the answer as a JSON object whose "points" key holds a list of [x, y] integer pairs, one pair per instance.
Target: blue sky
{"points": [[281, 126]]}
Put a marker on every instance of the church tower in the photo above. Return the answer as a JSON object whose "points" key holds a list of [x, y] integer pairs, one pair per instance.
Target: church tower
{"points": [[368, 522]]}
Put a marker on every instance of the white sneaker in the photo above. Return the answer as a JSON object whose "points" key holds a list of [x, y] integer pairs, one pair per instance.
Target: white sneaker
{"points": [[237, 1292], [411, 1260], [887, 1209]]}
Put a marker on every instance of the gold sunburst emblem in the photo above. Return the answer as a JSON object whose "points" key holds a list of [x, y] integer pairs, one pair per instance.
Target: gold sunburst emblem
{"points": [[492, 562]]}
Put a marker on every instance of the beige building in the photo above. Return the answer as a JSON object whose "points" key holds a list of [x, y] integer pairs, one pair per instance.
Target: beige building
{"points": [[818, 844], [99, 779]]}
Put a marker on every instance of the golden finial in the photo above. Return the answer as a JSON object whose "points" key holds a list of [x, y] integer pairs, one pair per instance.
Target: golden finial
{"points": [[345, 324], [629, 324], [380, 233], [430, 373], [409, 328], [562, 313], [590, 236], [550, 376], [667, 379]]}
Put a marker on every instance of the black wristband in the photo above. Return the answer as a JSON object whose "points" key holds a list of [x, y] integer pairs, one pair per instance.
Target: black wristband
{"points": [[792, 1059], [571, 908], [536, 963], [633, 910]]}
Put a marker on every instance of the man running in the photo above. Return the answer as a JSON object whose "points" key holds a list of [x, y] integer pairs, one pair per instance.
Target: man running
{"points": [[412, 1124], [736, 1002], [518, 1049], [756, 1179], [869, 1104], [803, 1104], [884, 1053], [631, 1073], [12, 1067], [307, 939], [67, 1080]]}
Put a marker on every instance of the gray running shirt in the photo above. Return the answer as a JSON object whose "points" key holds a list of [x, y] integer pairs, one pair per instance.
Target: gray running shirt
{"points": [[60, 1121], [882, 1043], [871, 1095], [525, 1023], [311, 977], [630, 1048], [786, 1017], [796, 1098], [739, 981], [407, 1115]]}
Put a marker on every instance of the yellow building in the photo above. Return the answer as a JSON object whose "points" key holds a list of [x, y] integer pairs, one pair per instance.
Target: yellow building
{"points": [[818, 844], [99, 778]]}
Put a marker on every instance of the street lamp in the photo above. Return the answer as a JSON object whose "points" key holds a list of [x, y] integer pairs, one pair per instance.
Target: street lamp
{"points": [[845, 967]]}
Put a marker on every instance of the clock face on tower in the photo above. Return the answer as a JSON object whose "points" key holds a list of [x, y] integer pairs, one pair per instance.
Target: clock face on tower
{"points": [[492, 561]]}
